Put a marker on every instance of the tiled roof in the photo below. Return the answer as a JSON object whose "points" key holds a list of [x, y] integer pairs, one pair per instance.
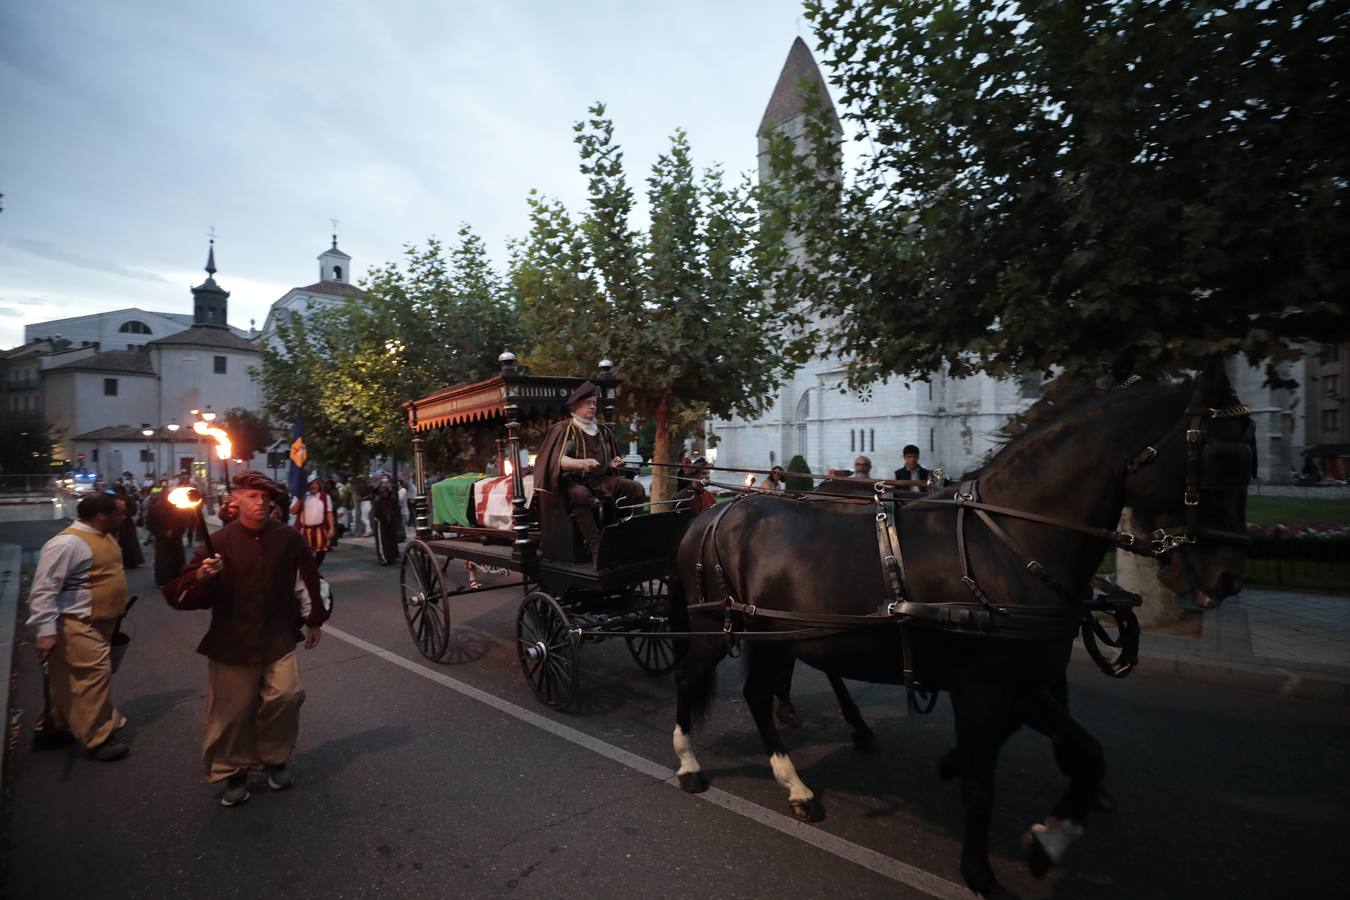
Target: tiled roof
{"points": [[335, 288], [788, 101], [207, 336], [133, 362], [115, 433]]}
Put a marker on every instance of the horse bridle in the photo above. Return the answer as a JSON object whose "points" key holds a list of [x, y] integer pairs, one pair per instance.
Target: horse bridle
{"points": [[1200, 449]]}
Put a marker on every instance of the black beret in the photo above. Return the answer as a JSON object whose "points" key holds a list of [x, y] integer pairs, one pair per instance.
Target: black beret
{"points": [[252, 479], [584, 390]]}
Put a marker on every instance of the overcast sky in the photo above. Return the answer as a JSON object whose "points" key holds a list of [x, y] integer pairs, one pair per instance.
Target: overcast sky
{"points": [[131, 128]]}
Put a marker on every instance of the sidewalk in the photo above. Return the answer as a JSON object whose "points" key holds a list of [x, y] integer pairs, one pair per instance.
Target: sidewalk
{"points": [[1281, 642]]}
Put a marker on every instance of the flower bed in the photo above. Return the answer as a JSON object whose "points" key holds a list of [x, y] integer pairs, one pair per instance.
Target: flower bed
{"points": [[1319, 541]]}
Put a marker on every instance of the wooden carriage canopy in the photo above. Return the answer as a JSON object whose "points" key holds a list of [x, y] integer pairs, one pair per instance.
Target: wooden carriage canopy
{"points": [[504, 399]]}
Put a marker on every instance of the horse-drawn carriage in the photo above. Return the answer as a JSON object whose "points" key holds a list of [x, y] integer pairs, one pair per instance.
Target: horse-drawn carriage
{"points": [[569, 599], [976, 591]]}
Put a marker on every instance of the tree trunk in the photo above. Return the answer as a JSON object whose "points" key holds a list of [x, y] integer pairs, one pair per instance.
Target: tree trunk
{"points": [[1140, 575], [664, 451]]}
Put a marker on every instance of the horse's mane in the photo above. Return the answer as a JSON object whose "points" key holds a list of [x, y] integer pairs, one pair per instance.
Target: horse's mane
{"points": [[1064, 399]]}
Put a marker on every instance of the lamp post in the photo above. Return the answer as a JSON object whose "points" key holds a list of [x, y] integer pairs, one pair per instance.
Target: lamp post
{"points": [[173, 438], [149, 453]]}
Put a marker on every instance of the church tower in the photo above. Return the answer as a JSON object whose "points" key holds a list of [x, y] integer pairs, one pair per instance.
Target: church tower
{"points": [[209, 300], [334, 265], [787, 109]]}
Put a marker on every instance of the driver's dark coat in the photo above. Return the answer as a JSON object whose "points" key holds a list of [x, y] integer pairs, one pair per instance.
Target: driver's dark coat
{"points": [[560, 438]]}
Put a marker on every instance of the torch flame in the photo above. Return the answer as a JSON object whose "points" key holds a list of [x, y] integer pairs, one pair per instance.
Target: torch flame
{"points": [[749, 480], [185, 497], [221, 436]]}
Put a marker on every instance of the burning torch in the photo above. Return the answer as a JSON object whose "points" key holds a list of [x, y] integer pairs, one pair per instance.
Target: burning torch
{"points": [[186, 497], [222, 438]]}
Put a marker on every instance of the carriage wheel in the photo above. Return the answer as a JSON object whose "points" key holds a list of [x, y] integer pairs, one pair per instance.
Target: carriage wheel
{"points": [[422, 584], [655, 655], [547, 650]]}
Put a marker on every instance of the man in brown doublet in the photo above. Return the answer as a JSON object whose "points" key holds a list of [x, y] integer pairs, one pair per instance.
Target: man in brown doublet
{"points": [[576, 461]]}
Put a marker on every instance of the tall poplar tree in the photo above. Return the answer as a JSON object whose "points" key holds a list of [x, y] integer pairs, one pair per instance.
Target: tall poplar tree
{"points": [[681, 306]]}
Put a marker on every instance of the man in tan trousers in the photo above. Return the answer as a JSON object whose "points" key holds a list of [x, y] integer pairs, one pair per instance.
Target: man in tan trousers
{"points": [[78, 595], [261, 586]]}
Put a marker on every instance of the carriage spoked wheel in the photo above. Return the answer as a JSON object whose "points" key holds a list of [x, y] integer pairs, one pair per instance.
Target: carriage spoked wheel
{"points": [[422, 585], [655, 655], [547, 650]]}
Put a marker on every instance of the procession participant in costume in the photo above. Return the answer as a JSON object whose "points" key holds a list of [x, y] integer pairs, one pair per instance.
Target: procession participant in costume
{"points": [[79, 594], [576, 461], [385, 514], [695, 497], [167, 524], [261, 586], [314, 518], [127, 539]]}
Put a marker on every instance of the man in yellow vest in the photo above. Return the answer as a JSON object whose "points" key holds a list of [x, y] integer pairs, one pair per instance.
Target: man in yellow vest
{"points": [[79, 592]]}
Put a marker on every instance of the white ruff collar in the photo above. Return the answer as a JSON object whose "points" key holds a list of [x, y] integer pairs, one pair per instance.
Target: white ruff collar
{"points": [[590, 427]]}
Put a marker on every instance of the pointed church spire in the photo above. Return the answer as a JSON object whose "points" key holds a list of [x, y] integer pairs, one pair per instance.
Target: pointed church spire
{"points": [[211, 259], [789, 100]]}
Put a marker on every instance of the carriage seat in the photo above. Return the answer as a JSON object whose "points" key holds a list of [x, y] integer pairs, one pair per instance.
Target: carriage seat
{"points": [[559, 537]]}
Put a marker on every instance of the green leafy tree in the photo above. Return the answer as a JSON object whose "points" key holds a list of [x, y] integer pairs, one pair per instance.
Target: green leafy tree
{"points": [[25, 448], [681, 307], [440, 315], [249, 432], [1133, 184]]}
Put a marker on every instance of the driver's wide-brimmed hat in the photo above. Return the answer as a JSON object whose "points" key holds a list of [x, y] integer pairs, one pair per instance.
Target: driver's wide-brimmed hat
{"points": [[583, 390]]}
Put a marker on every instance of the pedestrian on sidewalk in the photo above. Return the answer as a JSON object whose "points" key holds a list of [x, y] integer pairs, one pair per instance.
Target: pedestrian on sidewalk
{"points": [[261, 586], [79, 594]]}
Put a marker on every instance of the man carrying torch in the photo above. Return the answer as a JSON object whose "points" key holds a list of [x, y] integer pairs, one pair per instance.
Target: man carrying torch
{"points": [[258, 578]]}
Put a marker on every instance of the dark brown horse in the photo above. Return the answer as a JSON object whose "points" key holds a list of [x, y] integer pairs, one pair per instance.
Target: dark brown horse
{"points": [[1179, 455]]}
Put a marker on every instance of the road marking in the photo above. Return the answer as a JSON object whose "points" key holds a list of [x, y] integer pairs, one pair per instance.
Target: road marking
{"points": [[927, 882]]}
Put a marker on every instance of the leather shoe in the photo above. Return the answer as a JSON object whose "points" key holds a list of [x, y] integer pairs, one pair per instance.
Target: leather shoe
{"points": [[109, 751]]}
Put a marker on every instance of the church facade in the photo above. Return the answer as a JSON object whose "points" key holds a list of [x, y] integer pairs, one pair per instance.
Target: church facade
{"points": [[816, 416]]}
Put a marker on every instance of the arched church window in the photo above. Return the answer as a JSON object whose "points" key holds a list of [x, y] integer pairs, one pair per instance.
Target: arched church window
{"points": [[135, 326], [337, 272]]}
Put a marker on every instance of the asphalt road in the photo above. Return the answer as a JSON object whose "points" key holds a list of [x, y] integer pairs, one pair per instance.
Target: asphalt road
{"points": [[425, 779]]}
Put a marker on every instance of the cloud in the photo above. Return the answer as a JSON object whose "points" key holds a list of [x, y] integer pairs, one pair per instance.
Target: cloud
{"points": [[49, 251], [6, 311]]}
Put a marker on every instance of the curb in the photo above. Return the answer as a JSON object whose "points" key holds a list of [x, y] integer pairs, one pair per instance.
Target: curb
{"points": [[1284, 682]]}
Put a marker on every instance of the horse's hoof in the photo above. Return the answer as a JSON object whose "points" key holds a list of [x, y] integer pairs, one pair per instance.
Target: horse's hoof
{"points": [[787, 717], [808, 810], [693, 782], [1103, 801], [866, 743], [948, 766]]}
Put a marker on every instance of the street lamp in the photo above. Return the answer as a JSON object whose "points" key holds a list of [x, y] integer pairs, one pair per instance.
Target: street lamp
{"points": [[149, 453], [208, 415], [173, 438]]}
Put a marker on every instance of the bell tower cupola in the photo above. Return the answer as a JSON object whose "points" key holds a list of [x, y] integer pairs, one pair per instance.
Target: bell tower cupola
{"points": [[210, 302], [334, 265]]}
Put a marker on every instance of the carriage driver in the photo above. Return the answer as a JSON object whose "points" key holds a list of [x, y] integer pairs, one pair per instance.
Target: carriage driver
{"points": [[577, 460]]}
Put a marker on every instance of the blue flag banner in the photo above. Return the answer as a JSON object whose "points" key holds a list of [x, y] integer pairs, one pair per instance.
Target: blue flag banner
{"points": [[298, 475]]}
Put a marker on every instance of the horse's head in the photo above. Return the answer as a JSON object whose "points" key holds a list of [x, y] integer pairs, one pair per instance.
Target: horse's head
{"points": [[1189, 492]]}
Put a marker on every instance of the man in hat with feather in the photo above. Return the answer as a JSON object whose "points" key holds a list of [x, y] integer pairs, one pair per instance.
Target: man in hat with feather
{"points": [[578, 459]]}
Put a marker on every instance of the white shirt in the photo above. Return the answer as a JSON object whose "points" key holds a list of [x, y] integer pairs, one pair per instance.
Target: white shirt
{"points": [[315, 510], [61, 581]]}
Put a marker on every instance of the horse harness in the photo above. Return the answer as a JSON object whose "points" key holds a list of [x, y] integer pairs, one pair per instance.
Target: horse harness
{"points": [[1233, 460]]}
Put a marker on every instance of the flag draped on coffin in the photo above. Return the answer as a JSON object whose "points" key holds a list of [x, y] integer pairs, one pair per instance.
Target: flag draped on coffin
{"points": [[298, 475]]}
